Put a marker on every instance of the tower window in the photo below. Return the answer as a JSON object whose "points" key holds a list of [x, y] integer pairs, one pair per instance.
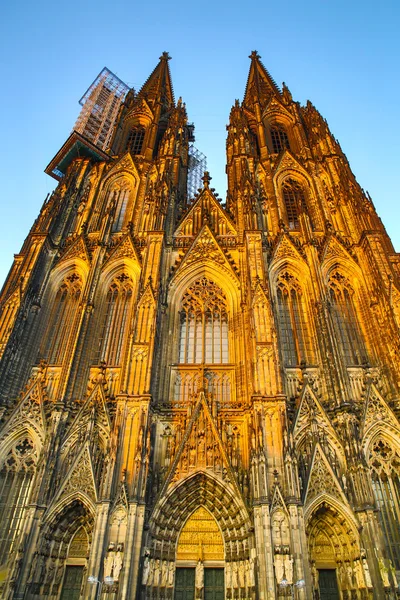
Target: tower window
{"points": [[203, 324], [135, 139], [294, 201], [62, 319], [122, 197], [119, 301], [292, 322], [279, 138], [345, 320]]}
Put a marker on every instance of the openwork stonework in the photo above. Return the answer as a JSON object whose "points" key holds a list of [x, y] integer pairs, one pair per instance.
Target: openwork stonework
{"points": [[200, 401]]}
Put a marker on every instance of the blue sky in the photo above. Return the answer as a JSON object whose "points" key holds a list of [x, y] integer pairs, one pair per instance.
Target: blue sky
{"points": [[343, 56]]}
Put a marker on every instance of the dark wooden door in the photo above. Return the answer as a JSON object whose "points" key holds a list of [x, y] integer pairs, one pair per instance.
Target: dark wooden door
{"points": [[214, 584], [71, 589], [328, 588], [184, 584]]}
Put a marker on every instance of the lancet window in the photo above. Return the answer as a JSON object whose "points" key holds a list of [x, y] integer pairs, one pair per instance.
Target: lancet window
{"points": [[279, 138], [62, 319], [292, 321], [384, 463], [203, 324], [345, 320], [121, 202], [135, 140], [294, 201], [15, 483], [117, 315]]}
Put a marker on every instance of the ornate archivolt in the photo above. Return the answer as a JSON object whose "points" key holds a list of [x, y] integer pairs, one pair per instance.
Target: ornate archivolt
{"points": [[66, 532], [205, 497], [334, 543]]}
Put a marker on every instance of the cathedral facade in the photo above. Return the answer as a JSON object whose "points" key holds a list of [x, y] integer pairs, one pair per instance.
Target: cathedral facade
{"points": [[200, 399]]}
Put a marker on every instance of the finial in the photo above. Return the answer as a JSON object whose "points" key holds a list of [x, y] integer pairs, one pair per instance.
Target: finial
{"points": [[165, 56], [254, 55], [206, 179]]}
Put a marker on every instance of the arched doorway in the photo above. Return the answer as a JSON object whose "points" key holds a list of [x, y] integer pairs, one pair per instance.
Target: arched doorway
{"points": [[200, 504], [339, 567], [200, 559]]}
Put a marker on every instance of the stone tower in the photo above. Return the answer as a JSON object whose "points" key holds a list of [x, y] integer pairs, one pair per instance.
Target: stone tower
{"points": [[199, 399]]}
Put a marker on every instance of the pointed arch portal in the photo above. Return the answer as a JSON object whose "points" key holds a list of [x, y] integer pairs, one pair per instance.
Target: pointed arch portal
{"points": [[200, 542]]}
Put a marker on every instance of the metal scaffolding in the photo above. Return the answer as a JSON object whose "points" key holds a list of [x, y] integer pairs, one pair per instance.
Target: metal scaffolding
{"points": [[100, 106], [196, 167]]}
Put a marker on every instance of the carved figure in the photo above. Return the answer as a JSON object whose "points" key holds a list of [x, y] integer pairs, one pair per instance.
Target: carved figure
{"points": [[118, 560], [367, 574], [199, 575], [109, 560], [146, 569], [279, 567], [289, 568]]}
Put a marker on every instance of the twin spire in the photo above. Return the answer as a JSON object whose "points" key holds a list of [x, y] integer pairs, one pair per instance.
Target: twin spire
{"points": [[260, 85]]}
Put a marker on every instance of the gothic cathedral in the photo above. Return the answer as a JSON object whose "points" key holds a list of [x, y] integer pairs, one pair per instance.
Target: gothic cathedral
{"points": [[200, 399]]}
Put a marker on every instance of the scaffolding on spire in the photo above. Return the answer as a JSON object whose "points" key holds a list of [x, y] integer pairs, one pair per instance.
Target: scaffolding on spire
{"points": [[196, 167], [100, 105]]}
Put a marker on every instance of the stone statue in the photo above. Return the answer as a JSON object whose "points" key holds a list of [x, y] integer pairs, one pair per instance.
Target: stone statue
{"points": [[199, 575], [118, 560], [367, 574], [146, 569], [109, 560], [235, 583], [171, 571], [349, 573], [242, 583], [251, 576], [279, 567], [359, 574], [315, 576], [289, 568], [156, 572], [228, 575], [164, 573]]}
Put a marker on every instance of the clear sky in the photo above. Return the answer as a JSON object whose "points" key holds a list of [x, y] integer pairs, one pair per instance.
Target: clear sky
{"points": [[342, 55]]}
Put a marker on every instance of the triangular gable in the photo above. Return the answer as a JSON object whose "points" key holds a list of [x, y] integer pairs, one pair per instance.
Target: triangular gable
{"points": [[259, 295], [334, 249], [147, 296], [95, 407], [275, 107], [322, 479], [289, 162], [277, 502], [205, 248], [141, 109], [80, 478], [185, 462], [30, 411], [206, 196], [309, 409], [125, 163], [121, 499], [376, 411], [77, 249], [125, 249], [285, 248]]}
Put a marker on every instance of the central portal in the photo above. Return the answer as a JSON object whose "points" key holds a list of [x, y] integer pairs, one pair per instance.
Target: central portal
{"points": [[185, 584]]}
